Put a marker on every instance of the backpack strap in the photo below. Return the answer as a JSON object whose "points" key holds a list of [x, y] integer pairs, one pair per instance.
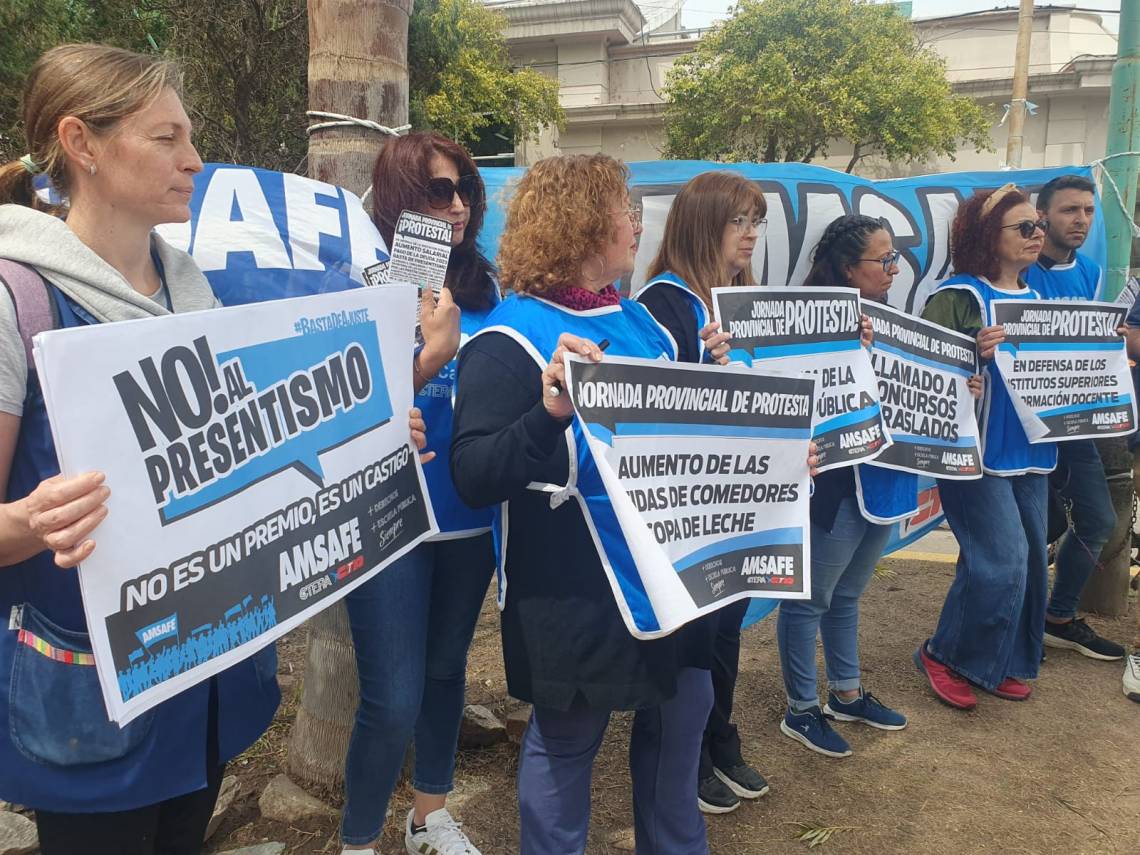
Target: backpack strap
{"points": [[36, 311]]}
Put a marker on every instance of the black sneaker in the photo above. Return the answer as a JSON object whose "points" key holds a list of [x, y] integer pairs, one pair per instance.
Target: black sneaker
{"points": [[743, 780], [1079, 636], [714, 796]]}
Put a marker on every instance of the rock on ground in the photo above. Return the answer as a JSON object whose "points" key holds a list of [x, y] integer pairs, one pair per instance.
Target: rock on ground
{"points": [[17, 834], [517, 722], [285, 802], [226, 794], [480, 728]]}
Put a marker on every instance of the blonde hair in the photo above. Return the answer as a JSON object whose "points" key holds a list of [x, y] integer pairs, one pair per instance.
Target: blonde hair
{"points": [[694, 230], [98, 84], [560, 215]]}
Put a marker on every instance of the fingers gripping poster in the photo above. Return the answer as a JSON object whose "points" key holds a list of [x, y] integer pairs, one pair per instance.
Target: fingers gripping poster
{"points": [[1065, 368], [705, 469], [814, 330], [923, 371], [260, 468]]}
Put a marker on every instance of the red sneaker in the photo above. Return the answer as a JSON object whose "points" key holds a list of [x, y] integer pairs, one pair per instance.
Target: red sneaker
{"points": [[1012, 690], [948, 686]]}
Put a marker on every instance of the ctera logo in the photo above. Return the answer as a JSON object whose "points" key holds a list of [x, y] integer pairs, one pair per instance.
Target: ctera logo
{"points": [[210, 426]]}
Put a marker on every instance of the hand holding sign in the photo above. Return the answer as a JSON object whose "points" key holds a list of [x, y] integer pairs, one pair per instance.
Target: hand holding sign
{"points": [[62, 512], [716, 342], [988, 340], [554, 375]]}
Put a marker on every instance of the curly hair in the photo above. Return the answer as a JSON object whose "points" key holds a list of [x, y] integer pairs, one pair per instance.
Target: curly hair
{"points": [[974, 235], [694, 230], [560, 215], [399, 180], [841, 246]]}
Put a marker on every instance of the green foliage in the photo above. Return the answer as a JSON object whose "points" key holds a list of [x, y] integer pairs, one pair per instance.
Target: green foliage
{"points": [[782, 79], [461, 79]]}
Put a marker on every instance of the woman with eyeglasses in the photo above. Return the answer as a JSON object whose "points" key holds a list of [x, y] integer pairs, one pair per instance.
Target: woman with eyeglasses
{"points": [[710, 234], [851, 511], [570, 234], [412, 624], [991, 629]]}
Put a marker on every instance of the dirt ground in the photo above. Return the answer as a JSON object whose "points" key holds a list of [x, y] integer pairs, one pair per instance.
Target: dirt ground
{"points": [[1059, 773]]}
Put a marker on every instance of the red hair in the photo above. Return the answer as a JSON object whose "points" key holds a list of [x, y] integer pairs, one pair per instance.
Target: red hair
{"points": [[399, 183], [974, 236]]}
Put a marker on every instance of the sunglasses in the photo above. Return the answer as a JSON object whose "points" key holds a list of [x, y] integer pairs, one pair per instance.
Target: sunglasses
{"points": [[888, 261], [1026, 228], [441, 191]]}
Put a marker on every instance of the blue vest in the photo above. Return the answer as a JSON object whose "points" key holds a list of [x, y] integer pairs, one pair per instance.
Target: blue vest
{"points": [[436, 401], [669, 279], [885, 495], [1005, 448], [58, 751], [536, 325], [1079, 279]]}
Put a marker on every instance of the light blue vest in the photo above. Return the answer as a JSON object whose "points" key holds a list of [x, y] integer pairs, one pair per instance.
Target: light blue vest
{"points": [[1005, 448], [535, 324], [436, 400], [1079, 279], [668, 279]]}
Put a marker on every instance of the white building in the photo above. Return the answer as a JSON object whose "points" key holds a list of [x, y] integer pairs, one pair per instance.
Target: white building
{"points": [[610, 58]]}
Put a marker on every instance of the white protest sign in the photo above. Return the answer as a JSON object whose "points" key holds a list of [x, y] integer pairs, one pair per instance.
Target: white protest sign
{"points": [[260, 468], [705, 469], [814, 330], [923, 369], [1065, 368]]}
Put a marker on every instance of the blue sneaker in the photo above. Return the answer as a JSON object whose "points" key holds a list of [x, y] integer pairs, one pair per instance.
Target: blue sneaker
{"points": [[811, 728], [865, 708]]}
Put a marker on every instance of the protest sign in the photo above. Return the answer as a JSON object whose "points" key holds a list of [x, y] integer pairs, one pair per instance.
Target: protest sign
{"points": [[421, 248], [260, 468], [1065, 368], [705, 470], [816, 330], [922, 369]]}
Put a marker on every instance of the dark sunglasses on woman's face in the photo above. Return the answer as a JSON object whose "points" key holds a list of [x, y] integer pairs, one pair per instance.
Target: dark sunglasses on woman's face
{"points": [[440, 191], [1026, 228]]}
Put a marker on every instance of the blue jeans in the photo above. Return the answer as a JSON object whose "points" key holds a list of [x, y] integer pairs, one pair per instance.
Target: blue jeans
{"points": [[842, 561], [1080, 480], [411, 627], [993, 621], [557, 759]]}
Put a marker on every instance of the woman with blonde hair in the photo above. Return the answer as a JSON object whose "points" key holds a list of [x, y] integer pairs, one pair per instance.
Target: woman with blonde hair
{"points": [[710, 235], [570, 233]]}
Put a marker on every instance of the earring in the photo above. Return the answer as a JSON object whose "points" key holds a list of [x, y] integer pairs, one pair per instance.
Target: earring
{"points": [[92, 169]]}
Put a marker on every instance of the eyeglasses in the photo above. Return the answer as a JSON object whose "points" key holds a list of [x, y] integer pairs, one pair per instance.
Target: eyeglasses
{"points": [[743, 224], [441, 191], [1026, 228], [634, 214], [888, 261]]}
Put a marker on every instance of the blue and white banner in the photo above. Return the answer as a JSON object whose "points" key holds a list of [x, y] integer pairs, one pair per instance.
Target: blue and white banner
{"points": [[260, 468], [1065, 368], [706, 482]]}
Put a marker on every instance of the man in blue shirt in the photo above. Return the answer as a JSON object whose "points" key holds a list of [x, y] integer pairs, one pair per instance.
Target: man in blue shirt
{"points": [[1061, 273]]}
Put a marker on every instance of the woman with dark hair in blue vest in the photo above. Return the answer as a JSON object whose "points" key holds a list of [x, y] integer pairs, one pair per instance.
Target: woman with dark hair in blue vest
{"points": [[991, 630], [710, 233], [570, 233], [108, 128], [851, 511]]}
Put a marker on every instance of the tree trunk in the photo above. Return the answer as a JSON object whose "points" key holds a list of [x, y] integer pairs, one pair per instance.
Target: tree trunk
{"points": [[358, 54], [1107, 590]]}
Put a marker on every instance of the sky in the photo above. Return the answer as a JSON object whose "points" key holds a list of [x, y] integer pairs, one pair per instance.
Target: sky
{"points": [[701, 13]]}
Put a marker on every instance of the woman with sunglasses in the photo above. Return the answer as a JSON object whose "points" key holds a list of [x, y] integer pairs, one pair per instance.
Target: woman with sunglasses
{"points": [[991, 630], [710, 234], [412, 624], [851, 511]]}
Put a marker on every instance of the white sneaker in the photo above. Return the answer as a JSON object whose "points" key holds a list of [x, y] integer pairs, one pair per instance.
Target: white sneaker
{"points": [[441, 835], [1132, 676]]}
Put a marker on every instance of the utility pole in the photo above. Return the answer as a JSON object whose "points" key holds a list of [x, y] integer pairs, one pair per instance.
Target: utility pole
{"points": [[1123, 136], [1020, 85]]}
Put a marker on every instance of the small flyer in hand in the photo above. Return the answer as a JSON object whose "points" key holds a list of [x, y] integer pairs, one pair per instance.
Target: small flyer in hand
{"points": [[421, 249]]}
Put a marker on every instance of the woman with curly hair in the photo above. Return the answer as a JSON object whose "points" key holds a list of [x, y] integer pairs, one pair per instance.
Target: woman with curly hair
{"points": [[710, 234], [412, 624], [991, 630], [570, 233]]}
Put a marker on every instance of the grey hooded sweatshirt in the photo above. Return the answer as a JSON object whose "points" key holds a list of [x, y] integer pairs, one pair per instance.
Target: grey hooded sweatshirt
{"points": [[47, 244]]}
